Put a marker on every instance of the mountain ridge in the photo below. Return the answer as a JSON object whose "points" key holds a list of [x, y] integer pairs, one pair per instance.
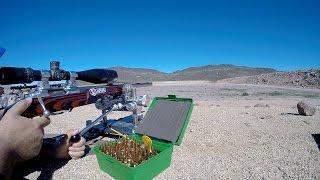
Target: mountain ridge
{"points": [[208, 72]]}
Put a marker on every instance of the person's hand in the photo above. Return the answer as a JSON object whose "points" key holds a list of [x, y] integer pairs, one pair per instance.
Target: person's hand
{"points": [[67, 149], [22, 136]]}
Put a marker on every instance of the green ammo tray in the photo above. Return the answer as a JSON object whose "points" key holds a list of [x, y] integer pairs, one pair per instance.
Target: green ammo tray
{"points": [[165, 123]]}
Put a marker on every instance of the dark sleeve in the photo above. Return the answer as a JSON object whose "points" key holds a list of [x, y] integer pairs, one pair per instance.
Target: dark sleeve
{"points": [[50, 145]]}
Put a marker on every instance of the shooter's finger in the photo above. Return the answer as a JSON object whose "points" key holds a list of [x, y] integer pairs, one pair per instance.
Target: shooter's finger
{"points": [[77, 149], [20, 106], [76, 155]]}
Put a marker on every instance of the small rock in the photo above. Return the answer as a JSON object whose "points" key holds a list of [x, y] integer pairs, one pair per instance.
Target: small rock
{"points": [[266, 117], [247, 107], [261, 105], [305, 109], [190, 130], [218, 105], [247, 112], [306, 122]]}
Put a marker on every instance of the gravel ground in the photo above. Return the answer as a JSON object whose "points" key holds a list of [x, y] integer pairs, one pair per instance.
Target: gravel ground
{"points": [[227, 137]]}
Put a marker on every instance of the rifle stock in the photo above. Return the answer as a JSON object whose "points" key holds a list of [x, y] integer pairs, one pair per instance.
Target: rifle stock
{"points": [[87, 95]]}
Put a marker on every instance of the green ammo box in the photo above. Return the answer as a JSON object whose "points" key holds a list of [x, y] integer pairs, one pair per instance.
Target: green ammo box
{"points": [[165, 123]]}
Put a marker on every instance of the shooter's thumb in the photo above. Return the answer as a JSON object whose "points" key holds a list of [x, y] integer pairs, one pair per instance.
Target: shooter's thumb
{"points": [[1, 113], [71, 132], [41, 121], [20, 106]]}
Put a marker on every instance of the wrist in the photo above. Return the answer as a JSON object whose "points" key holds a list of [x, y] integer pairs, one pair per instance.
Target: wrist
{"points": [[7, 158]]}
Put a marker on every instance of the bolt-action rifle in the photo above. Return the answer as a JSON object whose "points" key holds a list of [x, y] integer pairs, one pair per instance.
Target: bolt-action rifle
{"points": [[55, 91]]}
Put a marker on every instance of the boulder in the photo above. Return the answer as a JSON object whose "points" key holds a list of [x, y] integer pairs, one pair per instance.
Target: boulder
{"points": [[305, 109]]}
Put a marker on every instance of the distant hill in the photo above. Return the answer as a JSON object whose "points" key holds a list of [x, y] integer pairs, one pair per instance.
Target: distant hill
{"points": [[209, 72], [302, 78], [217, 72], [139, 74]]}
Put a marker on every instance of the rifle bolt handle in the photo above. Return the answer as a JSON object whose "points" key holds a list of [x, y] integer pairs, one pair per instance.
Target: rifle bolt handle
{"points": [[75, 138]]}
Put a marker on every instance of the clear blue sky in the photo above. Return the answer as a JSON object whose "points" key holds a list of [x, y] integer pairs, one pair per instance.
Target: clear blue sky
{"points": [[165, 35]]}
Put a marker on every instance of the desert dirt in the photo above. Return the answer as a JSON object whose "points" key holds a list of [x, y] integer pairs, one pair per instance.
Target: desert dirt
{"points": [[227, 137]]}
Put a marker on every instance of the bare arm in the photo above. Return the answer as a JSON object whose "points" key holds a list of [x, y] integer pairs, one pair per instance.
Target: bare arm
{"points": [[7, 160], [20, 137]]}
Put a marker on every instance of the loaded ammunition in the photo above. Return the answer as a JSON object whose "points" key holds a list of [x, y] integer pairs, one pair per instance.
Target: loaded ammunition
{"points": [[128, 151]]}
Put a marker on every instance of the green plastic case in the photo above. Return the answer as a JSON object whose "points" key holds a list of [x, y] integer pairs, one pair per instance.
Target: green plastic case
{"points": [[151, 167]]}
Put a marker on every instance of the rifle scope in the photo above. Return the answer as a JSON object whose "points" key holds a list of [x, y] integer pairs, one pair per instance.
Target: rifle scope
{"points": [[15, 75]]}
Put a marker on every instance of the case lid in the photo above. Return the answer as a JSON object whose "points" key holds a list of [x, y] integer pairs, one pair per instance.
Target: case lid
{"points": [[167, 118]]}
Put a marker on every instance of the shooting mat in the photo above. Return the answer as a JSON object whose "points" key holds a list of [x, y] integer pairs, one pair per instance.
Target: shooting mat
{"points": [[165, 120]]}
